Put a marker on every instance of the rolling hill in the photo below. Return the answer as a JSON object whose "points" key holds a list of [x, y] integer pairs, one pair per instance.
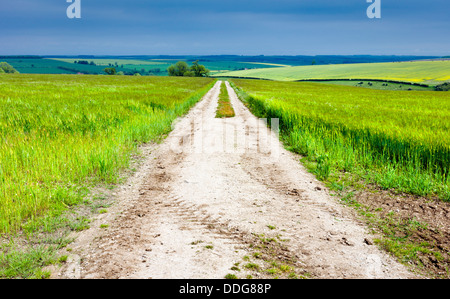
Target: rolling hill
{"points": [[426, 72]]}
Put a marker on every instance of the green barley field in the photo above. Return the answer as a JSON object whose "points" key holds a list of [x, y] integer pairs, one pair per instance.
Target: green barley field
{"points": [[395, 139], [62, 132]]}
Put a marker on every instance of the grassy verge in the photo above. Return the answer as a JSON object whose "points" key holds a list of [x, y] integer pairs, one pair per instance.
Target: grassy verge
{"points": [[224, 109], [413, 229], [30, 254]]}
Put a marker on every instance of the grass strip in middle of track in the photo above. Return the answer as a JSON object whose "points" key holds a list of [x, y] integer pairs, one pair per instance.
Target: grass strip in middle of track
{"points": [[224, 109]]}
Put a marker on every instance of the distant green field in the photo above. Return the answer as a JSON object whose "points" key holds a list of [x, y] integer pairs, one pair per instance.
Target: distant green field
{"points": [[427, 72], [283, 68], [128, 66], [49, 66], [272, 68], [158, 67], [112, 61], [225, 66]]}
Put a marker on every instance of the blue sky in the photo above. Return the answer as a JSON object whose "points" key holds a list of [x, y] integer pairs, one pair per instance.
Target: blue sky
{"points": [[244, 27]]}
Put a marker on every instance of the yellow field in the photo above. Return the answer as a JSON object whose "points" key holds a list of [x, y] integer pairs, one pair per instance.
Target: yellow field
{"points": [[427, 72]]}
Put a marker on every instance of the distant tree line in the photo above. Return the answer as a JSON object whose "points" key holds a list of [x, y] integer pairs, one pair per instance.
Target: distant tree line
{"points": [[21, 57], [113, 71], [182, 69], [85, 62]]}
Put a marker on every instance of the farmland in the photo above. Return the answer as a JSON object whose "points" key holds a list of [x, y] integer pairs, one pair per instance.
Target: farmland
{"points": [[395, 139], [382, 85], [62, 133], [157, 65], [425, 72], [145, 66], [36, 65], [39, 65]]}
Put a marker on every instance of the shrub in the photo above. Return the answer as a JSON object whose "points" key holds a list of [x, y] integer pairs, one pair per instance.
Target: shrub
{"points": [[181, 68], [7, 68], [443, 87]]}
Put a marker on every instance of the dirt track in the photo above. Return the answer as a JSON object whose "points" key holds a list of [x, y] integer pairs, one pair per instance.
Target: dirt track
{"points": [[220, 195]]}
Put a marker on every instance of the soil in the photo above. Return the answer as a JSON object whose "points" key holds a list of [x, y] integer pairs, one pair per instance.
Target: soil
{"points": [[223, 197], [431, 217]]}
